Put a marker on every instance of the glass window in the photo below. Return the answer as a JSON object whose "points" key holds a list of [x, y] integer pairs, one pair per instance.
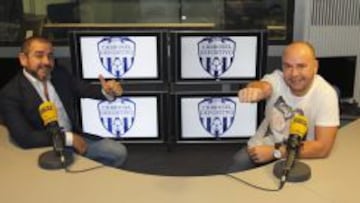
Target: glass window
{"points": [[11, 13], [274, 15], [54, 18]]}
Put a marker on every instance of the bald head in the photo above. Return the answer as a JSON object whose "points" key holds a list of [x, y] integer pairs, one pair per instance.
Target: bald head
{"points": [[301, 47]]}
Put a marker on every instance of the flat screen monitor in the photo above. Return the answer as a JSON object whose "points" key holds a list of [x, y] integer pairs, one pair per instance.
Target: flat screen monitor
{"points": [[214, 118], [218, 55], [339, 72], [128, 118], [128, 55]]}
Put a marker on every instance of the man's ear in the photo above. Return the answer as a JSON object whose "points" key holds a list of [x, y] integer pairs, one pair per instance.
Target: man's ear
{"points": [[23, 59]]}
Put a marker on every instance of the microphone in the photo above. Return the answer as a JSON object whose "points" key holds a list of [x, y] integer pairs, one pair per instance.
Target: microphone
{"points": [[290, 169], [48, 114], [298, 129], [56, 158]]}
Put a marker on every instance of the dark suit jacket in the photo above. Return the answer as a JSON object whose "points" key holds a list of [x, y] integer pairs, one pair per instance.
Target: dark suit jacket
{"points": [[19, 104]]}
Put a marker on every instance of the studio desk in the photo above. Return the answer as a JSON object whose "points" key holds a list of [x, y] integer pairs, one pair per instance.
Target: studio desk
{"points": [[334, 179]]}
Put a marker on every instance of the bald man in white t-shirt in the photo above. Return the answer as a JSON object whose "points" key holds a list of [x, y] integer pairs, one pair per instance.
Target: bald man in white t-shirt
{"points": [[296, 88]]}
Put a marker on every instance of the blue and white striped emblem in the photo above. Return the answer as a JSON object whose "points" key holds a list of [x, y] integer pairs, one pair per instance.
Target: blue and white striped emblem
{"points": [[216, 54], [117, 116], [217, 114], [117, 54]]}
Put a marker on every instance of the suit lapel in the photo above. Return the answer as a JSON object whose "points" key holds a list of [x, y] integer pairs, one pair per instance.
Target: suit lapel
{"points": [[31, 100], [29, 92]]}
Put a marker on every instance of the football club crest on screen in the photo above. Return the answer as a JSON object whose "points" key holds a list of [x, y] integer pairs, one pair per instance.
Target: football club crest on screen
{"points": [[216, 54], [217, 114], [117, 116], [116, 54]]}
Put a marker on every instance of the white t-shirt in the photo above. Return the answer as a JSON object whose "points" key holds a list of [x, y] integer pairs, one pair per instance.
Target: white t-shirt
{"points": [[319, 105]]}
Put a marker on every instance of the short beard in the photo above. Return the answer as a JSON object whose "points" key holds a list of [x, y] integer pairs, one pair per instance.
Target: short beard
{"points": [[35, 75]]}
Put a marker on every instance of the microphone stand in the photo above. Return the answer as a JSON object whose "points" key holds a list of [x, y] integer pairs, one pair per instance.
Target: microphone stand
{"points": [[52, 160], [58, 157], [299, 172]]}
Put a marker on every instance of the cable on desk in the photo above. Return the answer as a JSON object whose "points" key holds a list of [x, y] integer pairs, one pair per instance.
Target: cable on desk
{"points": [[62, 158], [252, 185], [83, 170]]}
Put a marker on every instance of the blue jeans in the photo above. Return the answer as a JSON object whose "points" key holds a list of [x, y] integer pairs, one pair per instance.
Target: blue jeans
{"points": [[242, 161], [106, 151]]}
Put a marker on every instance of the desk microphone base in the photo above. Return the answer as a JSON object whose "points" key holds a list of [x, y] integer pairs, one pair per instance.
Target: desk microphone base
{"points": [[50, 160], [300, 171]]}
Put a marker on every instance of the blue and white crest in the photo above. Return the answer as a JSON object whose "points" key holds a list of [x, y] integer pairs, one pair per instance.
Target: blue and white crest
{"points": [[217, 114], [216, 54], [116, 54], [117, 116]]}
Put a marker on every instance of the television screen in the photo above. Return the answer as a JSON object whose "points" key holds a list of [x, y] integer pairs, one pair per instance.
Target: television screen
{"points": [[127, 117], [225, 55], [118, 54], [215, 118], [339, 72]]}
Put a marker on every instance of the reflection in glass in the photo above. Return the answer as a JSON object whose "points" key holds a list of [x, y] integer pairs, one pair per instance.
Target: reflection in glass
{"points": [[56, 17], [258, 14]]}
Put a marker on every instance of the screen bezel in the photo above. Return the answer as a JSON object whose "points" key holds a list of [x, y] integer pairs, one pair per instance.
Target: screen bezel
{"points": [[161, 124], [161, 37], [175, 39], [177, 128]]}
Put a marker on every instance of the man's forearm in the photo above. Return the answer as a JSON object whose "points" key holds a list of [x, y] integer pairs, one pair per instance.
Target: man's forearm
{"points": [[264, 86]]}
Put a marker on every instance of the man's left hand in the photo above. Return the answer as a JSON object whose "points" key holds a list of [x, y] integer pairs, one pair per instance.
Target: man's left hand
{"points": [[261, 154]]}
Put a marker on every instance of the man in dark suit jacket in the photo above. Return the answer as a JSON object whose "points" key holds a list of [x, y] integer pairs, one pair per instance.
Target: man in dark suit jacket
{"points": [[40, 81]]}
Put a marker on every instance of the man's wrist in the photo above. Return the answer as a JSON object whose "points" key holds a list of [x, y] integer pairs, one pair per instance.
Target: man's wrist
{"points": [[277, 151], [107, 96], [69, 137]]}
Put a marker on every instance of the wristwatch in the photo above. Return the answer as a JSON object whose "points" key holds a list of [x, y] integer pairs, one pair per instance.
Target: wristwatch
{"points": [[277, 152]]}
